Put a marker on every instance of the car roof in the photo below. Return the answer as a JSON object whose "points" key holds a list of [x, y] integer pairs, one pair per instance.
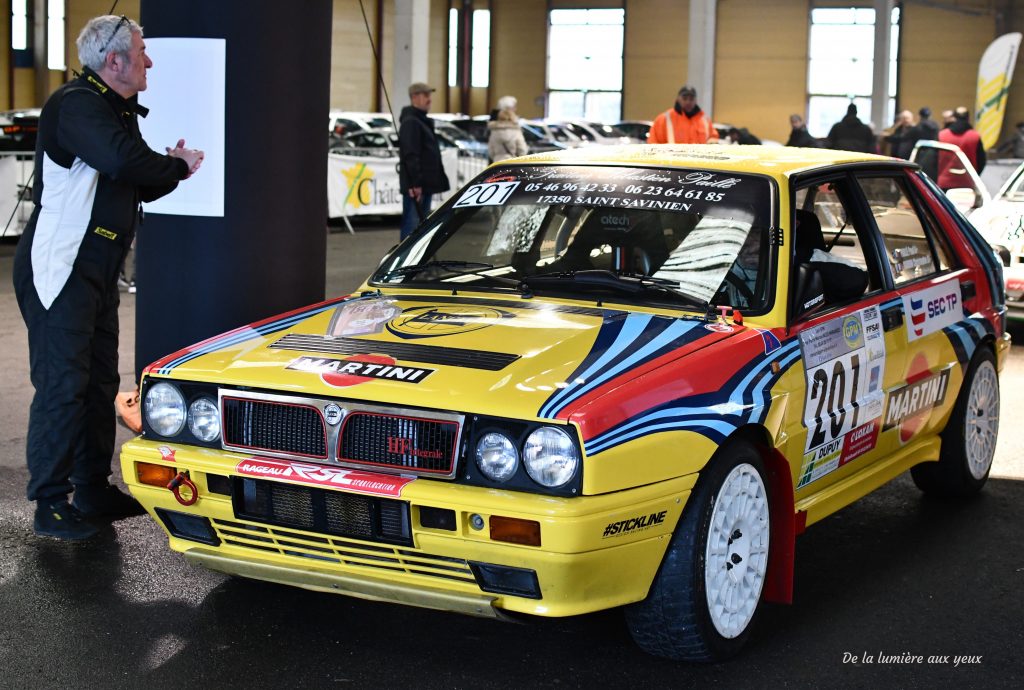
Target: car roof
{"points": [[775, 161]]}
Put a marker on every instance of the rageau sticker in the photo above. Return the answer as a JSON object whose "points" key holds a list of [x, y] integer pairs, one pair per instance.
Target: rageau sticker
{"points": [[486, 194], [362, 317], [356, 481], [359, 369], [932, 309]]}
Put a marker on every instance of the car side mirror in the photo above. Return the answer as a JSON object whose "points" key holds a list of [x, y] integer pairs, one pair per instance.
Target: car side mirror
{"points": [[963, 198]]}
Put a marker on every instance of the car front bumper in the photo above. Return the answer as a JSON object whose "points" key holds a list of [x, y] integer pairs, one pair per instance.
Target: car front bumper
{"points": [[595, 552]]}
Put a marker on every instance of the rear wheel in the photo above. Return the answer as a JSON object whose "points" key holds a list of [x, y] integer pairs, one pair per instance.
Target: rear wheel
{"points": [[969, 439], [707, 592]]}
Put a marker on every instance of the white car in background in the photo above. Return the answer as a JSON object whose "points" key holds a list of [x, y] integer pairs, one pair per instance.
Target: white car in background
{"points": [[341, 122], [599, 133], [999, 218]]}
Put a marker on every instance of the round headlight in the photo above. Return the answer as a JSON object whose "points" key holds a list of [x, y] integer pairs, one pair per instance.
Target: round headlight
{"points": [[165, 409], [550, 456], [204, 420], [496, 456]]}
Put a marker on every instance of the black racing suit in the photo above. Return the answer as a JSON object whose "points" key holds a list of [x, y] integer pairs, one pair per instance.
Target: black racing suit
{"points": [[92, 169]]}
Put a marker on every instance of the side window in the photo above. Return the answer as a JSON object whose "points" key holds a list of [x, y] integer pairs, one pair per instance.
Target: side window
{"points": [[908, 235], [832, 263]]}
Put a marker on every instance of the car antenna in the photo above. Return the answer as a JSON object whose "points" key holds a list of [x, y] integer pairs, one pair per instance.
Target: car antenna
{"points": [[376, 59]]}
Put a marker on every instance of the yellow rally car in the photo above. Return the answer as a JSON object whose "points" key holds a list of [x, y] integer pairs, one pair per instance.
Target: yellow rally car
{"points": [[595, 378]]}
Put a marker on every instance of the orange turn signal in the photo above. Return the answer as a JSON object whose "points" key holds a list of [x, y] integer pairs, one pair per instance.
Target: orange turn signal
{"points": [[154, 475], [515, 531]]}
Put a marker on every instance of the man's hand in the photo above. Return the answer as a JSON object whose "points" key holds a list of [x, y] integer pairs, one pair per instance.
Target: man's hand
{"points": [[193, 157], [416, 193]]}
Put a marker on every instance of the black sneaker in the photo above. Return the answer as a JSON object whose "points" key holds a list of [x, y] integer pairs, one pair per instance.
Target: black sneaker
{"points": [[56, 518], [106, 502]]}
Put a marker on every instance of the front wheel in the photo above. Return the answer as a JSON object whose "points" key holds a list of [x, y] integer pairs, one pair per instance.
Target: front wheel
{"points": [[969, 439], [707, 592]]}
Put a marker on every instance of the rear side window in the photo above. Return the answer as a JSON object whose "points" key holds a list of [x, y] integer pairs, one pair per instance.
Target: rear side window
{"points": [[913, 246]]}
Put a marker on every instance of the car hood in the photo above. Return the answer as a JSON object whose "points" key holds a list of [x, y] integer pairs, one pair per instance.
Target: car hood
{"points": [[514, 358]]}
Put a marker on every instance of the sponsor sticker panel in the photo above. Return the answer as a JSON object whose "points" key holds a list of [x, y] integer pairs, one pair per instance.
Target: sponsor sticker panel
{"points": [[356, 481], [844, 364]]}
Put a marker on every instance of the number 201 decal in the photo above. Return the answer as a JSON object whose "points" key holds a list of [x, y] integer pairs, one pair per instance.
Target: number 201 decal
{"points": [[833, 394], [487, 194]]}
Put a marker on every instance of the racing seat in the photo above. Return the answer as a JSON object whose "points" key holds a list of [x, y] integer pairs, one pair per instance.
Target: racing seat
{"points": [[819, 282]]}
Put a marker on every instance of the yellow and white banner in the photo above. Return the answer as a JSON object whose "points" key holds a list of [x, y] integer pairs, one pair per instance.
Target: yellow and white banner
{"points": [[994, 75], [368, 185]]}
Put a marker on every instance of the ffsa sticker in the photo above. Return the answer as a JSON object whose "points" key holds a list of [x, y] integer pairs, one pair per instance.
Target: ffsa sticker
{"points": [[933, 309], [487, 194], [844, 362]]}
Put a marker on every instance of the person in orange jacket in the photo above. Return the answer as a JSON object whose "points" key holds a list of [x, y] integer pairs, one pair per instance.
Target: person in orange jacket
{"points": [[690, 124]]}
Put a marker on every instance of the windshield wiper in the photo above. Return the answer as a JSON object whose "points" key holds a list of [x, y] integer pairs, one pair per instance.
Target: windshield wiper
{"points": [[413, 269], [617, 282]]}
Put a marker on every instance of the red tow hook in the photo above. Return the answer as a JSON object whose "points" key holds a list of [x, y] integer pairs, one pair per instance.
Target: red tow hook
{"points": [[184, 489]]}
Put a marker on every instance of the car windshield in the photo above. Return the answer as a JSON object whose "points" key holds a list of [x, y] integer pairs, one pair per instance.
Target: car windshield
{"points": [[695, 237]]}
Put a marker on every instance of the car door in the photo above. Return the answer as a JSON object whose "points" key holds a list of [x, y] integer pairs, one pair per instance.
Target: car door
{"points": [[931, 289], [851, 344]]}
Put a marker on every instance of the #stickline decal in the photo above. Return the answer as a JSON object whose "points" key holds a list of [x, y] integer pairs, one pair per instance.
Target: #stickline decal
{"points": [[844, 363]]}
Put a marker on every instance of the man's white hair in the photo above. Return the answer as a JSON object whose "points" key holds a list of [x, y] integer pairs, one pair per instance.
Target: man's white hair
{"points": [[507, 103], [104, 35]]}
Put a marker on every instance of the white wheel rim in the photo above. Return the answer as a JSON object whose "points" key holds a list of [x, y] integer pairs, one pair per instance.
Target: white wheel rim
{"points": [[981, 423], [736, 556]]}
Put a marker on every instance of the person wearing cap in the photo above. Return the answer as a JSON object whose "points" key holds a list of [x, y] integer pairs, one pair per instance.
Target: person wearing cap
{"points": [[684, 123], [420, 172]]}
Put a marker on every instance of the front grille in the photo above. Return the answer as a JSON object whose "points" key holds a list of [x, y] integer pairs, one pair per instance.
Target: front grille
{"points": [[319, 510], [343, 552], [423, 445], [275, 427]]}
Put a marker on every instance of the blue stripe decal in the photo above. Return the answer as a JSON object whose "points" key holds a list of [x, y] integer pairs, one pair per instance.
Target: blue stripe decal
{"points": [[240, 337], [626, 352], [706, 413]]}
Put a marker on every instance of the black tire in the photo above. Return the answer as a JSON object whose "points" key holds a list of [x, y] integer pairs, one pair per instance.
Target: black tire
{"points": [[676, 619], [969, 439]]}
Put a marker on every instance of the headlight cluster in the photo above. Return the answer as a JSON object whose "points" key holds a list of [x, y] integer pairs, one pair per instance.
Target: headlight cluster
{"points": [[548, 454], [167, 412]]}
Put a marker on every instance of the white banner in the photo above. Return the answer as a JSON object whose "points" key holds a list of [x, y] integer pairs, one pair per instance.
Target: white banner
{"points": [[368, 185], [995, 72]]}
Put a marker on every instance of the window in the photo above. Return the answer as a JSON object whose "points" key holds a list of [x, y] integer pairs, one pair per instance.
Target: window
{"points": [[479, 49], [19, 24], [585, 64], [55, 58], [910, 242], [841, 66], [453, 47], [832, 260], [480, 70]]}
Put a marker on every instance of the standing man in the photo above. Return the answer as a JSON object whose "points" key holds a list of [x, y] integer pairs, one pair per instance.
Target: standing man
{"points": [[798, 135], [684, 123], [92, 170], [850, 134], [420, 172]]}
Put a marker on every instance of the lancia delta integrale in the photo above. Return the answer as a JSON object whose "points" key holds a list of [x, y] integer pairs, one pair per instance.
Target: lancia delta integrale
{"points": [[606, 377]]}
